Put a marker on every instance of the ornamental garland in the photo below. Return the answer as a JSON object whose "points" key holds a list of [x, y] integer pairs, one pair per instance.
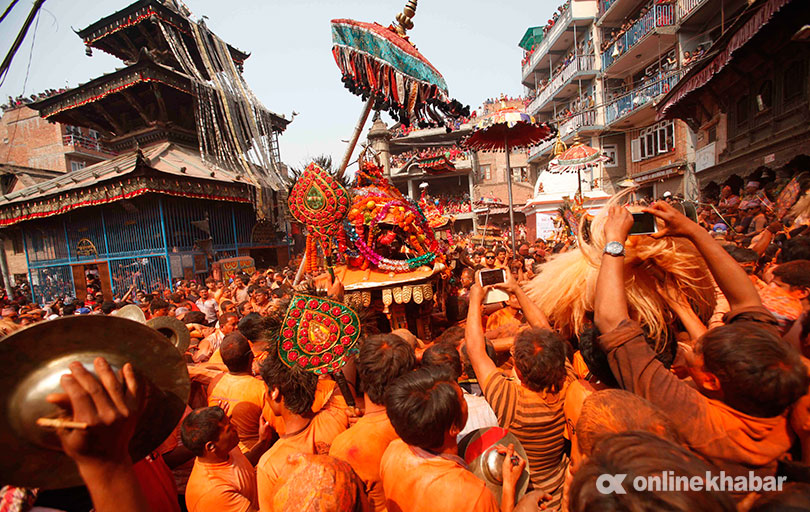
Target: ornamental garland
{"points": [[48, 207], [131, 22]]}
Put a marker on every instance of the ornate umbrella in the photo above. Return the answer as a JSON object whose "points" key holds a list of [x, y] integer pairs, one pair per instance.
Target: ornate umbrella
{"points": [[503, 130], [789, 195], [575, 159], [382, 66]]}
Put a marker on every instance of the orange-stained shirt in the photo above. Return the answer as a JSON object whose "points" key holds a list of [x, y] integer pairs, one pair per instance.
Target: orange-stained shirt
{"points": [[322, 394], [258, 358], [222, 487], [316, 439], [157, 483], [244, 395], [216, 358], [415, 480], [363, 446]]}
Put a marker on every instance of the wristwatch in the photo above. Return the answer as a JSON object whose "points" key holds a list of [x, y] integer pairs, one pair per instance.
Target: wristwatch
{"points": [[614, 249]]}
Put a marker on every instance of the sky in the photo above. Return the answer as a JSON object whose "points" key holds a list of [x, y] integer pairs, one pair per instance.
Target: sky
{"points": [[473, 43]]}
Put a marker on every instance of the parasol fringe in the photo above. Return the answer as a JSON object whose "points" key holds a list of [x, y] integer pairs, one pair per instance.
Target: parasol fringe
{"points": [[403, 97]]}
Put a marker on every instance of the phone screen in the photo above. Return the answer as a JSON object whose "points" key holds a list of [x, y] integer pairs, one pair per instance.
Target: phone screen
{"points": [[643, 224], [490, 277]]}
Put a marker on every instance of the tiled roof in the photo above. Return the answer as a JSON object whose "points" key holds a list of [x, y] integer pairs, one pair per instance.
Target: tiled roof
{"points": [[164, 157]]}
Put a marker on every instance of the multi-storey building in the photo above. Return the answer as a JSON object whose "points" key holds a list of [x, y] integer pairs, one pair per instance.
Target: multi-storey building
{"points": [[432, 160], [597, 73], [28, 140], [748, 99], [559, 72]]}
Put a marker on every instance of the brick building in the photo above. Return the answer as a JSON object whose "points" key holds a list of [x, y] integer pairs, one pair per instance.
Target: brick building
{"points": [[748, 100], [34, 150], [433, 159], [28, 140], [490, 177]]}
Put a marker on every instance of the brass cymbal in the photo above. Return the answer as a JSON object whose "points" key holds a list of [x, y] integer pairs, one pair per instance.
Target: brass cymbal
{"points": [[479, 449], [175, 330], [132, 312], [33, 360]]}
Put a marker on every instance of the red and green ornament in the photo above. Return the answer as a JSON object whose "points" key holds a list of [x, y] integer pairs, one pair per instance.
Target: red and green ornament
{"points": [[318, 334], [320, 202]]}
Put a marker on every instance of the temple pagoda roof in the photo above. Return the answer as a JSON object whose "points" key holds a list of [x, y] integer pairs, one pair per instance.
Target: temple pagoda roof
{"points": [[144, 97], [163, 168], [123, 33]]}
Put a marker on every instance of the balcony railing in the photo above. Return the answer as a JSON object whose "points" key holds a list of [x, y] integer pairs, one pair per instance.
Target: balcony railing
{"points": [[580, 63], [685, 7], [640, 96], [659, 16], [80, 141], [548, 40], [604, 5], [566, 127]]}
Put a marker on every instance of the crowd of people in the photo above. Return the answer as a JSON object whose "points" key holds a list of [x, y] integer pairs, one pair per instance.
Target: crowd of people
{"points": [[452, 153], [452, 204], [718, 391], [403, 131], [648, 18], [695, 55], [546, 29]]}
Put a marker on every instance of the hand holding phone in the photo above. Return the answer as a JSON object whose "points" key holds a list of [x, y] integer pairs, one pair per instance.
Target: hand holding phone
{"points": [[490, 278], [643, 224]]}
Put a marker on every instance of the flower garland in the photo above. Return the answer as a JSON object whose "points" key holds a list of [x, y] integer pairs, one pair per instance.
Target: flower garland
{"points": [[371, 208]]}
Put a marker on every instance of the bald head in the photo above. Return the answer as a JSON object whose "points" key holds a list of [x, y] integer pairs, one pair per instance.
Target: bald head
{"points": [[236, 353]]}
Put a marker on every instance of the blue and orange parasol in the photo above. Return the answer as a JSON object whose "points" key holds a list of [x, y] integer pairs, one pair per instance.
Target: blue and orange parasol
{"points": [[383, 67]]}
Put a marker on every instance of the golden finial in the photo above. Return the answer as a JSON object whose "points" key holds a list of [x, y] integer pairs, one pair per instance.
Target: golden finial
{"points": [[405, 18], [559, 146]]}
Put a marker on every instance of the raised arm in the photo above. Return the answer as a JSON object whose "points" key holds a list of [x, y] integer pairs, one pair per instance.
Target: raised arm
{"points": [[727, 273], [533, 314], [610, 302], [474, 336], [110, 406]]}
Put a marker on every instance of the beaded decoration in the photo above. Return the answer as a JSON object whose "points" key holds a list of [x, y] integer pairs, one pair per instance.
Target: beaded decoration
{"points": [[320, 202], [318, 334]]}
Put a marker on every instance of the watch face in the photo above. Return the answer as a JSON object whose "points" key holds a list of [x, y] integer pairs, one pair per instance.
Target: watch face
{"points": [[614, 248]]}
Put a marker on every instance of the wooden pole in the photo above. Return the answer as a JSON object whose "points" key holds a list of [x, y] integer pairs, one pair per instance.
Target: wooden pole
{"points": [[355, 136], [509, 193]]}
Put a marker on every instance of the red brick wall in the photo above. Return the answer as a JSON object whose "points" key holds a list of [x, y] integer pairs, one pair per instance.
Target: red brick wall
{"points": [[28, 140], [496, 186]]}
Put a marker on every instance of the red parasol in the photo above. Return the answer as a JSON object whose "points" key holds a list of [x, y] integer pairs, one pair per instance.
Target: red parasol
{"points": [[576, 159], [506, 129]]}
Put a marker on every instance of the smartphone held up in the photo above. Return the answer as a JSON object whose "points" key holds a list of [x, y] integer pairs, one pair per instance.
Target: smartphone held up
{"points": [[643, 224], [492, 277]]}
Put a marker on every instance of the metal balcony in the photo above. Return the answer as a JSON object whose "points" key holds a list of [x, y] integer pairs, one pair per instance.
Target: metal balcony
{"points": [[80, 142], [567, 128], [658, 17], [639, 97], [550, 38], [582, 63]]}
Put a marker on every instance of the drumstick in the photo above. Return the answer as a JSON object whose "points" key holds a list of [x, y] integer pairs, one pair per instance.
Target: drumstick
{"points": [[61, 423]]}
